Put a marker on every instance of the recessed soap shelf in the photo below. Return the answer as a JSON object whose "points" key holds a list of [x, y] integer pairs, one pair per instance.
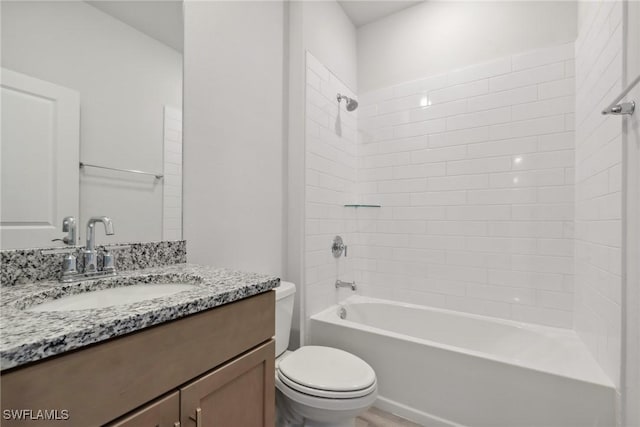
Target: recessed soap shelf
{"points": [[362, 206]]}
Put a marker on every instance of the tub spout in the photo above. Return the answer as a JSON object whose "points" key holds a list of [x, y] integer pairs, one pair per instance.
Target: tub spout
{"points": [[341, 284]]}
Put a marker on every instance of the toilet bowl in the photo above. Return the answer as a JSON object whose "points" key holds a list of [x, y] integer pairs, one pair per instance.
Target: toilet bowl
{"points": [[317, 386]]}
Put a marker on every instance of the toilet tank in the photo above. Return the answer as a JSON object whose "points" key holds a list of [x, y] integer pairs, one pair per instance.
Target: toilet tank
{"points": [[284, 313]]}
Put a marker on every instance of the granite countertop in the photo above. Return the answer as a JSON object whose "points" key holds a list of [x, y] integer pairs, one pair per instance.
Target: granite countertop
{"points": [[30, 336]]}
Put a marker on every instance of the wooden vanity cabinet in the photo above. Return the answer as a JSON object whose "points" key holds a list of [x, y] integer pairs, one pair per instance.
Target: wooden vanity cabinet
{"points": [[220, 361]]}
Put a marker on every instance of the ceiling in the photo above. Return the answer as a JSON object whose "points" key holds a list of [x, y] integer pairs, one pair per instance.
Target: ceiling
{"points": [[362, 12], [161, 20]]}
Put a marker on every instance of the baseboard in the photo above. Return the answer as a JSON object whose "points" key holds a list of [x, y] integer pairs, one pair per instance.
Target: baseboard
{"points": [[412, 414]]}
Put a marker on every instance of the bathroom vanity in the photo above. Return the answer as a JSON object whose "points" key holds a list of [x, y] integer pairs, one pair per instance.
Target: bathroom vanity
{"points": [[200, 357]]}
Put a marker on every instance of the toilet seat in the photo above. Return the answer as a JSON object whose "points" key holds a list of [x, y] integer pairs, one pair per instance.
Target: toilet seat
{"points": [[327, 394], [327, 372]]}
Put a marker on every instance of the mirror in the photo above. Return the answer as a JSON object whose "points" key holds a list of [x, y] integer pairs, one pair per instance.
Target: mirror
{"points": [[99, 84]]}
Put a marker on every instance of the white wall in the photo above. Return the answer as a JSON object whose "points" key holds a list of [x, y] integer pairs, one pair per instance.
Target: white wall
{"points": [[323, 30], [474, 172], [233, 134], [330, 183], [331, 37], [631, 287], [125, 79], [599, 61], [438, 36]]}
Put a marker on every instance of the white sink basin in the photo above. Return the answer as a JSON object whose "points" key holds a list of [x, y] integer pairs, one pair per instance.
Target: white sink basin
{"points": [[112, 296]]}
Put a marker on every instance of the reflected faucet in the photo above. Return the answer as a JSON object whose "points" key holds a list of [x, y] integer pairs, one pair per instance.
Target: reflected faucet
{"points": [[90, 254]]}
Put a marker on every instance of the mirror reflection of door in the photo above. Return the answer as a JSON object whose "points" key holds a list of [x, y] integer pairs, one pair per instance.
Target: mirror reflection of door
{"points": [[124, 60], [39, 176]]}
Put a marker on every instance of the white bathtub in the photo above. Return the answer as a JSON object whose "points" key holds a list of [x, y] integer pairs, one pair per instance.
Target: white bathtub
{"points": [[446, 368]]}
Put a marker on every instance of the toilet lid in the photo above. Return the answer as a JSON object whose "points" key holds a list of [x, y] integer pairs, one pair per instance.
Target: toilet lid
{"points": [[328, 369]]}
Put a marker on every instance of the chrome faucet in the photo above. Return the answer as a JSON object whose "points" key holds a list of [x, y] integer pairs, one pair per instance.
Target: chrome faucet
{"points": [[342, 284], [90, 253]]}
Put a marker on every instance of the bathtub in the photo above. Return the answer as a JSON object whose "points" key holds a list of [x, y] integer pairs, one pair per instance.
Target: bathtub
{"points": [[446, 368]]}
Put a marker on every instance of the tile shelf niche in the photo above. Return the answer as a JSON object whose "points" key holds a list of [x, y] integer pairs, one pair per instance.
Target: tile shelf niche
{"points": [[362, 206]]}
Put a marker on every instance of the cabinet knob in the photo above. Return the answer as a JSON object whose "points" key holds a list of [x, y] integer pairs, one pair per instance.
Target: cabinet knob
{"points": [[176, 424]]}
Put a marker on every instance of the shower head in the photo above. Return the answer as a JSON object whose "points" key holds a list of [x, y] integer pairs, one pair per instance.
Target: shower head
{"points": [[352, 104]]}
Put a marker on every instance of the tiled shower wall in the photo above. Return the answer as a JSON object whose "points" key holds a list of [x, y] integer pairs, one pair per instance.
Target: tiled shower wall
{"points": [[474, 172], [331, 174], [599, 64]]}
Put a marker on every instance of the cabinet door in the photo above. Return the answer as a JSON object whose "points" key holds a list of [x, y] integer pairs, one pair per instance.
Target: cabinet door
{"points": [[239, 393], [164, 412]]}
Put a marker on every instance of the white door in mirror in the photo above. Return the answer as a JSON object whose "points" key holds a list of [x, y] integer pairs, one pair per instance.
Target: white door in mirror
{"points": [[40, 157]]}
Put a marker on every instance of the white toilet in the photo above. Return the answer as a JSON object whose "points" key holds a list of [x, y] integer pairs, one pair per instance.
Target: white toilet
{"points": [[317, 386]]}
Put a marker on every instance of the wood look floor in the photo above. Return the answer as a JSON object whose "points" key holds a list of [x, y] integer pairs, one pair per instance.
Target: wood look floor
{"points": [[375, 417]]}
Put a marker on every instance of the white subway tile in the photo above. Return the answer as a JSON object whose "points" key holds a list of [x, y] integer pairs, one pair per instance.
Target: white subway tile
{"points": [[438, 198], [547, 281], [502, 196], [502, 245], [420, 86], [559, 194], [557, 88], [543, 56], [503, 147], [548, 160], [542, 264], [503, 98], [475, 166], [480, 71], [457, 273], [433, 155], [438, 110], [547, 107], [543, 212], [419, 171], [557, 300], [401, 104], [317, 67], [465, 136], [559, 247], [457, 228], [538, 126], [556, 141], [527, 77], [465, 90], [403, 186], [404, 144], [480, 118], [552, 229], [478, 213], [462, 182], [426, 127], [446, 241], [502, 293], [419, 213]]}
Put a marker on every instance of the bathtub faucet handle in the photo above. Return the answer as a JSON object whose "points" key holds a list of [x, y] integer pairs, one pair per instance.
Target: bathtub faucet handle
{"points": [[338, 247]]}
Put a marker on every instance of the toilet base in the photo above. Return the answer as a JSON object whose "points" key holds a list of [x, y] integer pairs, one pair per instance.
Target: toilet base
{"points": [[296, 410]]}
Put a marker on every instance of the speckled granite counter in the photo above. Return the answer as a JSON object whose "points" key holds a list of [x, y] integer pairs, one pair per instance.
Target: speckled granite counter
{"points": [[30, 336]]}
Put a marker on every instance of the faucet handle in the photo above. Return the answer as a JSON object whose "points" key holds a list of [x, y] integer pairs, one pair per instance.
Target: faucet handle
{"points": [[108, 262]]}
